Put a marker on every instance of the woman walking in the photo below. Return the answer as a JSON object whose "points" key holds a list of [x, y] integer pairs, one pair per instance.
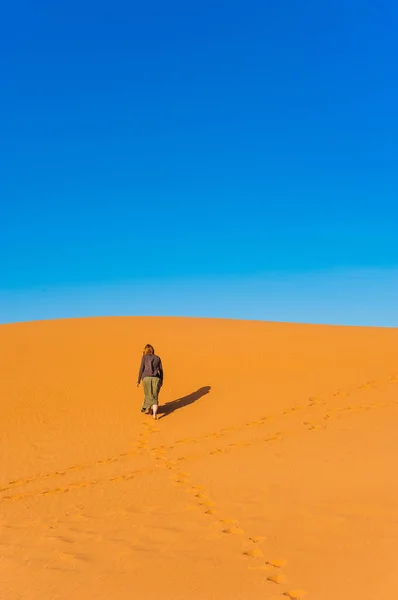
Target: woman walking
{"points": [[151, 374]]}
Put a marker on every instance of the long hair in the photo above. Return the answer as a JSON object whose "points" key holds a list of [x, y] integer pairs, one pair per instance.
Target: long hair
{"points": [[149, 349]]}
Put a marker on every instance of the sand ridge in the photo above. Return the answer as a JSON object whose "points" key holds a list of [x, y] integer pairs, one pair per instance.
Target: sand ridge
{"points": [[290, 496]]}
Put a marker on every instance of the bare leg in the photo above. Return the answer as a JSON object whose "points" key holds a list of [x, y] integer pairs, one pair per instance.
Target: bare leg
{"points": [[154, 410]]}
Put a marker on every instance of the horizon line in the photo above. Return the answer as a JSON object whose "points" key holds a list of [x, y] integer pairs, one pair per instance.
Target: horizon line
{"points": [[195, 318]]}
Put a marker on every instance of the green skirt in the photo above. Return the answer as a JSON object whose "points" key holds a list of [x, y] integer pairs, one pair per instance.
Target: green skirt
{"points": [[151, 391]]}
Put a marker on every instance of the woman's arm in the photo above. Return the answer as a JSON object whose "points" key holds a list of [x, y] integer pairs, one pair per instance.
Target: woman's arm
{"points": [[140, 372], [160, 372]]}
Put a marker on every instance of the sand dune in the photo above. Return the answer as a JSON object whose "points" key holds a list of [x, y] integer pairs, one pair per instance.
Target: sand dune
{"points": [[270, 474]]}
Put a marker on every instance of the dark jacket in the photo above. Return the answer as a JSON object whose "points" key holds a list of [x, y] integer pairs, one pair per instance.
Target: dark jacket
{"points": [[151, 366]]}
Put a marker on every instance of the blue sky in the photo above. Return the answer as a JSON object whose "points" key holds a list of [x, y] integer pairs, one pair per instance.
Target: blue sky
{"points": [[205, 152]]}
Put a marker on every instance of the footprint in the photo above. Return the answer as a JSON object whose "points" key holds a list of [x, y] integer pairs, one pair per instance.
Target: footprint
{"points": [[233, 530], [202, 499], [229, 521], [196, 489], [315, 402], [207, 503], [254, 553], [277, 578], [311, 427], [198, 495], [257, 540], [278, 563], [295, 594], [179, 478], [274, 438], [55, 491]]}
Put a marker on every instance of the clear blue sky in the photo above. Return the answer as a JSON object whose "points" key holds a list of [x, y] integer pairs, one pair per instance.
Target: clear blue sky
{"points": [[144, 144]]}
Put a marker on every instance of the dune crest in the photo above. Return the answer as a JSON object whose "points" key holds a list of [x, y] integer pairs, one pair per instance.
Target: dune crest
{"points": [[270, 472]]}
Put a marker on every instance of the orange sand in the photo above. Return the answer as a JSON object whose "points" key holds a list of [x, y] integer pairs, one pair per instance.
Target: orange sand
{"points": [[272, 475]]}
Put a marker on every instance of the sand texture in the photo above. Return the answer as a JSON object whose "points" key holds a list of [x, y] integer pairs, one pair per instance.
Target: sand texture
{"points": [[271, 473]]}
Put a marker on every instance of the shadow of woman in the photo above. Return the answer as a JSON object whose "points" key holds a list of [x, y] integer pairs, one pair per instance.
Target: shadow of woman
{"points": [[170, 407]]}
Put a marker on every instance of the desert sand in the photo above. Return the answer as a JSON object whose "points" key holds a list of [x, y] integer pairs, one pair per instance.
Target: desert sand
{"points": [[270, 474]]}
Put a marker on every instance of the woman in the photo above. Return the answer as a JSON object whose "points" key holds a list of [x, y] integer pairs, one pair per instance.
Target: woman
{"points": [[151, 373]]}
